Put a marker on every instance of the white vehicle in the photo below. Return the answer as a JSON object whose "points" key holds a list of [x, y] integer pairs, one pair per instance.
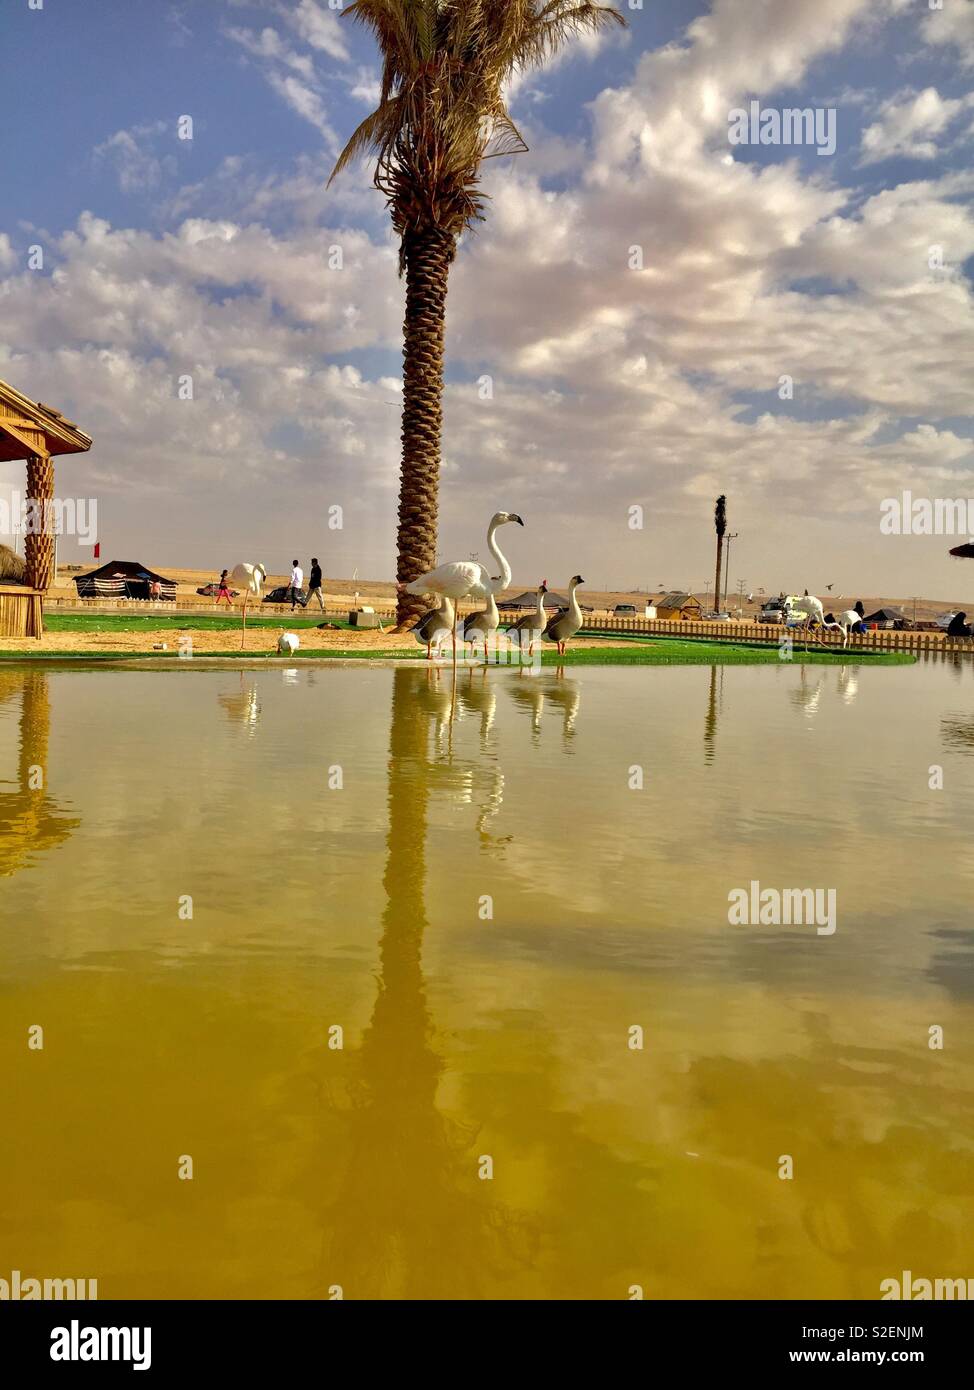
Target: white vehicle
{"points": [[773, 611], [944, 620]]}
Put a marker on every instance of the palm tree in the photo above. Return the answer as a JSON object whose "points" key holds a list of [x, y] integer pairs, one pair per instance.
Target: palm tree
{"points": [[441, 112], [720, 526]]}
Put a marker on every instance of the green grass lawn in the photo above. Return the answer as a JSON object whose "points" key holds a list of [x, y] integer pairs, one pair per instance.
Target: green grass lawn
{"points": [[220, 622], [640, 651]]}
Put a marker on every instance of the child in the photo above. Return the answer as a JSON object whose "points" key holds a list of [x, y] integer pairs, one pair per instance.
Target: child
{"points": [[224, 589]]}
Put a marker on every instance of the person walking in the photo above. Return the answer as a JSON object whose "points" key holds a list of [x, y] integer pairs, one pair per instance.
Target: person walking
{"points": [[223, 590], [297, 579], [314, 584]]}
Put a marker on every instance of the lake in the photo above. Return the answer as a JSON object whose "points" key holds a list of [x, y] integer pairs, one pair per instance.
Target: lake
{"points": [[437, 996]]}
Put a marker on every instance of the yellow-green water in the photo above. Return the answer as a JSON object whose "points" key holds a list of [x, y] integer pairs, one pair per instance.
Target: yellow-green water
{"points": [[469, 1037]]}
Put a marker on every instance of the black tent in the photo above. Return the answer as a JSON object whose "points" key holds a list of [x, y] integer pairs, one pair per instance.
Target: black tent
{"points": [[124, 579], [529, 600], [886, 618]]}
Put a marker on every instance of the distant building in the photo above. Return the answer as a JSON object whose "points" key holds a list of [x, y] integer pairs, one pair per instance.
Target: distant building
{"points": [[678, 606]]}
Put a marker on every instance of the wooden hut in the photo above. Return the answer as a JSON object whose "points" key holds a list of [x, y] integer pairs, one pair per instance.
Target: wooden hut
{"points": [[678, 606], [36, 433]]}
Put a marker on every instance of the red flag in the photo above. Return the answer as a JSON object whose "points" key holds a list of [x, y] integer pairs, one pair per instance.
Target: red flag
{"points": [[97, 550]]}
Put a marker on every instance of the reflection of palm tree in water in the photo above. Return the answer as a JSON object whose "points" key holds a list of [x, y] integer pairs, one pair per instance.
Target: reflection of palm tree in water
{"points": [[710, 723], [30, 820], [411, 1218]]}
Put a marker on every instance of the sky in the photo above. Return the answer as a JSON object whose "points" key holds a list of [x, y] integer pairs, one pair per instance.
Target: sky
{"points": [[651, 313]]}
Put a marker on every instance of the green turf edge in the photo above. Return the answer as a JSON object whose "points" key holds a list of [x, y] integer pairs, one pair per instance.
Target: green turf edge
{"points": [[650, 654]]}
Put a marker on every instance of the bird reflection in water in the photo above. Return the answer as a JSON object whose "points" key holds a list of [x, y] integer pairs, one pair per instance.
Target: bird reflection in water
{"points": [[541, 690], [242, 706], [31, 820], [411, 1218]]}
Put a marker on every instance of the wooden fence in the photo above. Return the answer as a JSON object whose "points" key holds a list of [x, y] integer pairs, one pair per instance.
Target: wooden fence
{"points": [[770, 634], [608, 625]]}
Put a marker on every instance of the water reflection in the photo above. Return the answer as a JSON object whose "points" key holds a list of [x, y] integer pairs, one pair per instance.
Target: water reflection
{"points": [[535, 691], [413, 1219], [242, 705], [31, 820]]}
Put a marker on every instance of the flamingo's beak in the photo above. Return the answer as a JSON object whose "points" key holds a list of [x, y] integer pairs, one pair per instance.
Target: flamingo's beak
{"points": [[518, 520]]}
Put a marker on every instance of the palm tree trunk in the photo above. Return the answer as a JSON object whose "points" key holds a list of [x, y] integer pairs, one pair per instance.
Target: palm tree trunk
{"points": [[426, 257], [720, 549]]}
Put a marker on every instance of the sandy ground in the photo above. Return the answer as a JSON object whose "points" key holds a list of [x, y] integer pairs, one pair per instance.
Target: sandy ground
{"points": [[258, 640]]}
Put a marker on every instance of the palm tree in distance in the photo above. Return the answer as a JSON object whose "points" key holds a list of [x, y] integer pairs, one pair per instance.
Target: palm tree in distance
{"points": [[720, 526], [441, 112]]}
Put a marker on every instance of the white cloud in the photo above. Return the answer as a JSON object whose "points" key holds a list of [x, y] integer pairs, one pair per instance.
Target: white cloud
{"points": [[908, 124], [137, 166], [952, 27]]}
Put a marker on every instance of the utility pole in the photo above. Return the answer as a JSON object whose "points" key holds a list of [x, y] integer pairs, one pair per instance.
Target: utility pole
{"points": [[731, 536]]}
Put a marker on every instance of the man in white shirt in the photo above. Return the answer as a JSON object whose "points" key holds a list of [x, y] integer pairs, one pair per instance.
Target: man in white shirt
{"points": [[297, 579]]}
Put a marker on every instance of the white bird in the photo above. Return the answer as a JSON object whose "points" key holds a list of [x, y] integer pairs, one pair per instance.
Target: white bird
{"points": [[532, 625], [288, 643], [435, 626], [566, 623], [459, 579], [251, 579], [847, 621]]}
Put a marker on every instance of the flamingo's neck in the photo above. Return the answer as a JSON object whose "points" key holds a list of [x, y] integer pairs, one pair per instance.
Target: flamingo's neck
{"points": [[497, 586], [541, 603], [573, 603]]}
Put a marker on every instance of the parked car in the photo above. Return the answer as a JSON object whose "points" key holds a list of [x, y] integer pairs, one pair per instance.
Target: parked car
{"points": [[211, 591], [944, 620], [774, 611], [283, 595], [714, 617], [625, 610]]}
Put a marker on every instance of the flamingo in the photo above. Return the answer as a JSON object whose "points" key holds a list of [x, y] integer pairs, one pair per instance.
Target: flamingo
{"points": [[251, 579], [566, 623], [459, 579]]}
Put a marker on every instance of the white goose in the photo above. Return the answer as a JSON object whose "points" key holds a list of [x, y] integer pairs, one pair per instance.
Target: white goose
{"points": [[531, 627], [478, 626], [566, 623], [435, 626], [459, 579]]}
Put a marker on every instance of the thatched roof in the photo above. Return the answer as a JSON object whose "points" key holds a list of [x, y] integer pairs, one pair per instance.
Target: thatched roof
{"points": [[22, 420]]}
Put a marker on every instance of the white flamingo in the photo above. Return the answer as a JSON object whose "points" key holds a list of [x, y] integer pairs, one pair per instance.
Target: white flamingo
{"points": [[251, 579], [459, 579]]}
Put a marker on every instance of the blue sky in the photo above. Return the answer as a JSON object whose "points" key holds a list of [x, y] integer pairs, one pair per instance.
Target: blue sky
{"points": [[607, 386]]}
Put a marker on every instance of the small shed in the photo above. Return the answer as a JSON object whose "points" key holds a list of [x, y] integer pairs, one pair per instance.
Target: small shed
{"points": [[37, 433], [675, 605], [124, 579]]}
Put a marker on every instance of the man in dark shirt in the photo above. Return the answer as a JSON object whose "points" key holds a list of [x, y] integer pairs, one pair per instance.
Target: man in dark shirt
{"points": [[314, 584], [957, 627]]}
